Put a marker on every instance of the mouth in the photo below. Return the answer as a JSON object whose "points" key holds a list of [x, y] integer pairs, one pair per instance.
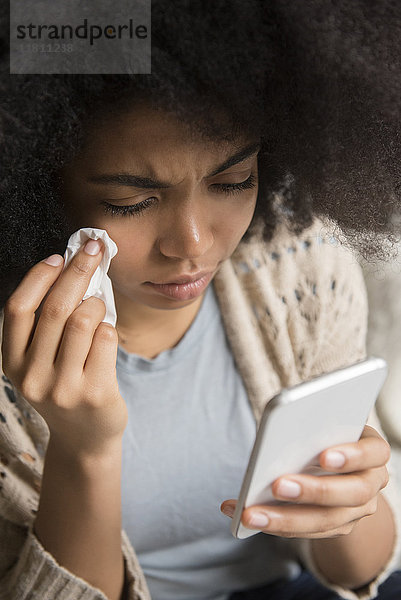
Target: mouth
{"points": [[182, 279], [184, 287]]}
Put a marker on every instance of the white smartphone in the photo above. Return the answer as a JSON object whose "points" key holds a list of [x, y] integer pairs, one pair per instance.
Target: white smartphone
{"points": [[302, 421]]}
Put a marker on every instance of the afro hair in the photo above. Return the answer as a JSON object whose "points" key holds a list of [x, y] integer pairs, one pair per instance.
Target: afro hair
{"points": [[318, 82]]}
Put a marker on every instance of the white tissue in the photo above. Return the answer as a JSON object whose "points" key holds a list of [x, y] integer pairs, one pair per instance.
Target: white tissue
{"points": [[100, 284]]}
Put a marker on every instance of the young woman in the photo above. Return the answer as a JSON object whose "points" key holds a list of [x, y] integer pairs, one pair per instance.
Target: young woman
{"points": [[119, 445]]}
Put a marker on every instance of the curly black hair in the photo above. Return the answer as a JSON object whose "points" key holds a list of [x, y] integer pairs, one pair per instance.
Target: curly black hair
{"points": [[317, 81]]}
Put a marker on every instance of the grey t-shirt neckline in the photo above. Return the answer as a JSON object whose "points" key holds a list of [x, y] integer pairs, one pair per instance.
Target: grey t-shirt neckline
{"points": [[130, 361]]}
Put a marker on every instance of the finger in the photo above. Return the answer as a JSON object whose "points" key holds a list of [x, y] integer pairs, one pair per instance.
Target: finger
{"points": [[77, 338], [228, 508], [369, 452], [353, 489], [298, 520], [64, 298], [102, 356], [19, 311]]}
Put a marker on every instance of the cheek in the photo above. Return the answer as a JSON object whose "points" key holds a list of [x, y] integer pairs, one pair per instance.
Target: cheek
{"points": [[134, 248], [239, 219]]}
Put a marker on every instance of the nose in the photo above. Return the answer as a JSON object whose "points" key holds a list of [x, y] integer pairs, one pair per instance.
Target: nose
{"points": [[187, 234]]}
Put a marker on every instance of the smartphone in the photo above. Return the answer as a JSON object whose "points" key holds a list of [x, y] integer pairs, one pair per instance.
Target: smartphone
{"points": [[302, 421]]}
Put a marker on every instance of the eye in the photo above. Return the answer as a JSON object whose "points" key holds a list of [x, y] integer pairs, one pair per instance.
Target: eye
{"points": [[236, 188], [131, 209], [137, 209]]}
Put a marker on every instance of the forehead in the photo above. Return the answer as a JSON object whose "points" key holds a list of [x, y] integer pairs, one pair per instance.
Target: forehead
{"points": [[147, 140], [143, 123]]}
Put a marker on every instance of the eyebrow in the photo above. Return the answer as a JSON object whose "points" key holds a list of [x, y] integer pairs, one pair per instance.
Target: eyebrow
{"points": [[128, 179]]}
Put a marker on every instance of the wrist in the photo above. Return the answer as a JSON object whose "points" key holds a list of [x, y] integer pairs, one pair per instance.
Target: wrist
{"points": [[340, 559], [79, 514], [83, 461]]}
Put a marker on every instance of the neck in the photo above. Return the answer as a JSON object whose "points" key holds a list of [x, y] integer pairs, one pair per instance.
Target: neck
{"points": [[147, 331]]}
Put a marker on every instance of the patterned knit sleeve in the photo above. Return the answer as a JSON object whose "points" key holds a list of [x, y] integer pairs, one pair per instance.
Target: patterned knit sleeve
{"points": [[329, 305], [27, 570]]}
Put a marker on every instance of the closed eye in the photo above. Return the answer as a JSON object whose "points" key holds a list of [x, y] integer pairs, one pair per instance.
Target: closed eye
{"points": [[136, 209]]}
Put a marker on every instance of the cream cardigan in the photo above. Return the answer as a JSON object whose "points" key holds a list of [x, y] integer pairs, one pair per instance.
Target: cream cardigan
{"points": [[292, 309]]}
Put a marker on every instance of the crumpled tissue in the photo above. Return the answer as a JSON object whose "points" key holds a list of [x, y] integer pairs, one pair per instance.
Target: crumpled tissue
{"points": [[100, 284]]}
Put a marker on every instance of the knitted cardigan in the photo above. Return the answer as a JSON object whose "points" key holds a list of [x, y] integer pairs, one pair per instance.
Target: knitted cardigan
{"points": [[292, 309]]}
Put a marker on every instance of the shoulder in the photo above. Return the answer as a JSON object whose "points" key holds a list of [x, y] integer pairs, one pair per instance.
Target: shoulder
{"points": [[318, 253], [308, 294]]}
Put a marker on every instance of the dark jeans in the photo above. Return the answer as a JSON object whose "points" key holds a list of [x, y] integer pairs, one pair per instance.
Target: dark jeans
{"points": [[306, 587]]}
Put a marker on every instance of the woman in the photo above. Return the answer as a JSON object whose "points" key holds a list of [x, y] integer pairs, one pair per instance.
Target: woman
{"points": [[220, 303]]}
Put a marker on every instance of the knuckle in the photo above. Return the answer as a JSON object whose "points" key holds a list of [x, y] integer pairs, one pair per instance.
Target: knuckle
{"points": [[59, 395], [386, 478], [365, 491], [80, 321], [94, 395], [98, 303], [283, 522], [107, 333], [339, 532], [387, 450], [371, 507], [55, 311], [328, 519], [322, 492], [290, 534], [30, 388], [94, 398], [96, 306], [346, 529], [15, 307], [80, 267]]}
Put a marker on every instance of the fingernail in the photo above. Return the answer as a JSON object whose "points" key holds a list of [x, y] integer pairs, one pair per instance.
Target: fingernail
{"points": [[259, 520], [335, 459], [228, 510], [288, 489], [92, 247], [55, 260]]}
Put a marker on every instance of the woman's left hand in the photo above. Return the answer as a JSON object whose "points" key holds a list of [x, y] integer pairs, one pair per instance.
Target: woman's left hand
{"points": [[328, 505]]}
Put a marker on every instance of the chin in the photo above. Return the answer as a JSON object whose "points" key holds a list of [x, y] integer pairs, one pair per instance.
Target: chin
{"points": [[168, 304]]}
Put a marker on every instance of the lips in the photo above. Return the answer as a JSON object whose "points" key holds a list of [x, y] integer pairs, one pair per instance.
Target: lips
{"points": [[180, 279], [184, 290]]}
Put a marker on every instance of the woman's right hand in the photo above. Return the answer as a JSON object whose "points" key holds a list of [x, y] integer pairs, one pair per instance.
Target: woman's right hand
{"points": [[64, 364]]}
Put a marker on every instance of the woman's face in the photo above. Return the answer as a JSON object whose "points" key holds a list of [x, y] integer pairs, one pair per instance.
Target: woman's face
{"points": [[169, 202]]}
